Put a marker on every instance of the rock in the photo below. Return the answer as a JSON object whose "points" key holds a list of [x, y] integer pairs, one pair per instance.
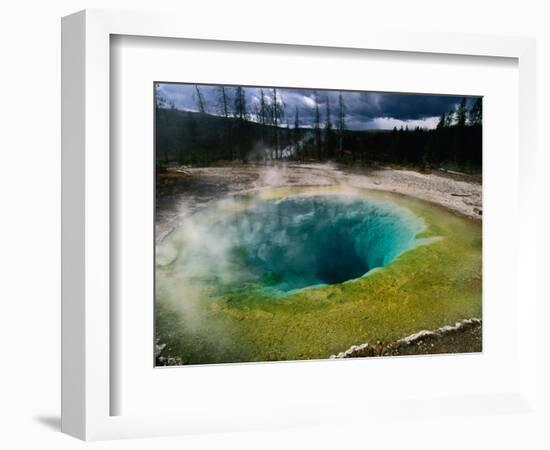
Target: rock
{"points": [[423, 339]]}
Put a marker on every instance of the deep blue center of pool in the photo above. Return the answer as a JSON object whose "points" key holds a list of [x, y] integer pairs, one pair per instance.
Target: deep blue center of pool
{"points": [[310, 240]]}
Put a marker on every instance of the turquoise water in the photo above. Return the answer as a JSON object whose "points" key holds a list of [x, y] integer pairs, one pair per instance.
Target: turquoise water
{"points": [[305, 241]]}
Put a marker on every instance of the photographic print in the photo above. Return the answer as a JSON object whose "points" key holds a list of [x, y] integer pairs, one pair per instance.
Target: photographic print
{"points": [[307, 224]]}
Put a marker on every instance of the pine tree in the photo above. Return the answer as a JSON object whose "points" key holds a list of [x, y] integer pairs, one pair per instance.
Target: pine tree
{"points": [[442, 121], [476, 113], [161, 101], [461, 113], [449, 119]]}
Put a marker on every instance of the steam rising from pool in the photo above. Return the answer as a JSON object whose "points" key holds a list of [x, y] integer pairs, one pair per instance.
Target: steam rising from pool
{"points": [[286, 244]]}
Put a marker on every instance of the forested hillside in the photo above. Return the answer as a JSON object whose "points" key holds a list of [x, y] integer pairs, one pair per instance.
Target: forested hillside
{"points": [[200, 138]]}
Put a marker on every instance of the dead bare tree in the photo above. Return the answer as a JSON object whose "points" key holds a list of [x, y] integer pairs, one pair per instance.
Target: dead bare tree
{"points": [[223, 102], [199, 100], [223, 106], [275, 120], [317, 125], [341, 124], [329, 135], [297, 137]]}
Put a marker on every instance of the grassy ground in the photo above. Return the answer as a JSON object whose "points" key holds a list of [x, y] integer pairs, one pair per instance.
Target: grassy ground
{"points": [[425, 288]]}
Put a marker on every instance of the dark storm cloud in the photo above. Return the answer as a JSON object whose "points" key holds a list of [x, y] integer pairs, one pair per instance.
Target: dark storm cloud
{"points": [[364, 110]]}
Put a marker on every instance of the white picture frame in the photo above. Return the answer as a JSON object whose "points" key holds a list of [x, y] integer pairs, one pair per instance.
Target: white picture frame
{"points": [[86, 221]]}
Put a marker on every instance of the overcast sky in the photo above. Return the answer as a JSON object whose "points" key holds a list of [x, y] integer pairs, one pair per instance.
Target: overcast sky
{"points": [[364, 110]]}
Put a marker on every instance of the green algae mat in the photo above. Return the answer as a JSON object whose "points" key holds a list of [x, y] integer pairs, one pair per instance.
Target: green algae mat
{"points": [[305, 273]]}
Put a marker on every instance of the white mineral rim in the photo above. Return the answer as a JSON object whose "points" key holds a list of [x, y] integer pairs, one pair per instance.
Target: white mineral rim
{"points": [[423, 334]]}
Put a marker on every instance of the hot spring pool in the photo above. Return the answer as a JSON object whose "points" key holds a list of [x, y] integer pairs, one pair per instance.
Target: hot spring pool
{"points": [[303, 241], [304, 273], [290, 243]]}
